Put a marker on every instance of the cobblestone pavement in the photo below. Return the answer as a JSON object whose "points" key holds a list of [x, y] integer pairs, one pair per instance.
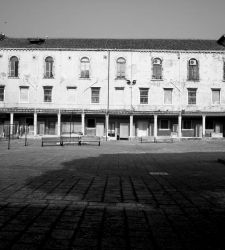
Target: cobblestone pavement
{"points": [[121, 195]]}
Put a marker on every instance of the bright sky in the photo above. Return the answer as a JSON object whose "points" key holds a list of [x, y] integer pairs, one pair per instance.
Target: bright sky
{"points": [[197, 19]]}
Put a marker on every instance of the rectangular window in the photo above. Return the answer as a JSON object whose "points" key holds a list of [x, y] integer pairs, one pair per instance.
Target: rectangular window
{"points": [[2, 90], [192, 96], [186, 124], [164, 124], [71, 94], [168, 96], [144, 96], [216, 96], [95, 95], [24, 94], [47, 94], [224, 71]]}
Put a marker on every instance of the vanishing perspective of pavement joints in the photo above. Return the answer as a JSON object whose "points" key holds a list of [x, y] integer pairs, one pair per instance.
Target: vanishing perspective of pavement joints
{"points": [[121, 195]]}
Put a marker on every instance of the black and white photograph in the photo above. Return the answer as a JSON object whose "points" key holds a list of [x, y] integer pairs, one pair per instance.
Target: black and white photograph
{"points": [[112, 125]]}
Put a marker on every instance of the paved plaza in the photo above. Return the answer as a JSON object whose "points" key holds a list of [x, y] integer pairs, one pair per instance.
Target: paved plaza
{"points": [[121, 195]]}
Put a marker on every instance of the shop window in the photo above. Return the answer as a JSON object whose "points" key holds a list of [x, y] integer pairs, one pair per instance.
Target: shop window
{"points": [[47, 94], [186, 124], [2, 93], [144, 96], [164, 124], [85, 67], [91, 123], [13, 67], [157, 69], [168, 96], [49, 67], [121, 67], [24, 94], [192, 96], [193, 70], [95, 92], [215, 96]]}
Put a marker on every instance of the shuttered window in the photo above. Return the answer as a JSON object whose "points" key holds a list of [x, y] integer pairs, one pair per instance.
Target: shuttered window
{"points": [[157, 68], [47, 94], [95, 95], [24, 94], [13, 66], [192, 96], [121, 67], [168, 96], [49, 67], [216, 96], [85, 67], [2, 90], [143, 95], [193, 70]]}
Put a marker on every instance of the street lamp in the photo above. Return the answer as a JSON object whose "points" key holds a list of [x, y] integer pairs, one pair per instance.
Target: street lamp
{"points": [[131, 83]]}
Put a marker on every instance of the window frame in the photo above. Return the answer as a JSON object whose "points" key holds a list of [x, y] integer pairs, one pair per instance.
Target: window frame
{"points": [[68, 88], [193, 74], [85, 68], [49, 74], [189, 97], [121, 68], [28, 95], [2, 87], [44, 89], [219, 90], [144, 96], [168, 89], [160, 124], [13, 73], [158, 68], [95, 96]]}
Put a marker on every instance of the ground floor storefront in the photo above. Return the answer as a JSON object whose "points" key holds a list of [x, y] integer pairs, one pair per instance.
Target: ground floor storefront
{"points": [[112, 125]]}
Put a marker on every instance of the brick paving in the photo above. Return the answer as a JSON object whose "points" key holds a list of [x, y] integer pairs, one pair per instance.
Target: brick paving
{"points": [[122, 195]]}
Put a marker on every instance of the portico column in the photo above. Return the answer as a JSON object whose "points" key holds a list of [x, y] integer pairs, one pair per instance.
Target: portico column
{"points": [[106, 126], [35, 123], [155, 125], [59, 124], [11, 122], [203, 125], [83, 123], [179, 126], [131, 125]]}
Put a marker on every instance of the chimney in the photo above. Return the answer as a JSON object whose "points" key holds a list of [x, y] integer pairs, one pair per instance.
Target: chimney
{"points": [[221, 41]]}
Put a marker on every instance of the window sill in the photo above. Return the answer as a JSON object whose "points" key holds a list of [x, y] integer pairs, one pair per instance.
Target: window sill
{"points": [[165, 129], [192, 80], [48, 77], [120, 78], [154, 80], [13, 77], [84, 78]]}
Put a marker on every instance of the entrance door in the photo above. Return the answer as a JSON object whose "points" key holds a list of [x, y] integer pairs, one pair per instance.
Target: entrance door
{"points": [[100, 129], [124, 130], [142, 128]]}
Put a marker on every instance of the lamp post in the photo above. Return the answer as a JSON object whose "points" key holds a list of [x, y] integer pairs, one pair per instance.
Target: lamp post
{"points": [[131, 83]]}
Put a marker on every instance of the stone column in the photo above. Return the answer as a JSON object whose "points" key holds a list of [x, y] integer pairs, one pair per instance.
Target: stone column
{"points": [[179, 126], [155, 125], [11, 122], [131, 126], [59, 124], [106, 126], [83, 123], [203, 125], [35, 123]]}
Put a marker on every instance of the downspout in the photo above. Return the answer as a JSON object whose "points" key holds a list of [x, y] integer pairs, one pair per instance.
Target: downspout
{"points": [[107, 111]]}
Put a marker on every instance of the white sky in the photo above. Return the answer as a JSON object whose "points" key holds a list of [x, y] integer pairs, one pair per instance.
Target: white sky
{"points": [[197, 19]]}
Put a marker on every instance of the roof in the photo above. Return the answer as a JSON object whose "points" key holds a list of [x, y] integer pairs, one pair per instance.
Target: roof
{"points": [[118, 44]]}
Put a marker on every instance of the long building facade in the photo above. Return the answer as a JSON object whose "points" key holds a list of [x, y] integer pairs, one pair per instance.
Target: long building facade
{"points": [[116, 89]]}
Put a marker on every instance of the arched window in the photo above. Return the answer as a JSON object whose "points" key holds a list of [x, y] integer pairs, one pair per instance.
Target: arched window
{"points": [[193, 70], [121, 67], [84, 67], [157, 68], [49, 67], [13, 66]]}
